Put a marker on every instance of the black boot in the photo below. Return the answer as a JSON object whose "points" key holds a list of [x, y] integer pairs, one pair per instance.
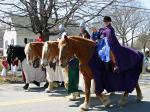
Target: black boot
{"points": [[26, 86], [62, 84], [36, 83], [116, 69], [46, 85]]}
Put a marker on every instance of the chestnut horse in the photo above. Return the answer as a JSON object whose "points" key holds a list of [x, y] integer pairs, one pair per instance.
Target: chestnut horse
{"points": [[84, 49], [50, 53], [33, 53]]}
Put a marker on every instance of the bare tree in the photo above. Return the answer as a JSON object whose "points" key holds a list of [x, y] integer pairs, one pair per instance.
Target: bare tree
{"points": [[143, 40], [41, 12], [126, 21]]}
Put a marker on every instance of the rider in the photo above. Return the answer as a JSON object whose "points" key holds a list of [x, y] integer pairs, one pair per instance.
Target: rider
{"points": [[73, 71], [107, 32], [95, 34], [83, 32]]}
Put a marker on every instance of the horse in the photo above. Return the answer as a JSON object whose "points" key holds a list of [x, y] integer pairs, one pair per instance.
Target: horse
{"points": [[50, 54], [14, 52], [33, 53], [85, 51]]}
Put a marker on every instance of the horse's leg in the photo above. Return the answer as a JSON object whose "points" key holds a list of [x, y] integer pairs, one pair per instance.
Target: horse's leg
{"points": [[65, 73], [104, 99], [87, 81], [50, 87], [123, 99], [139, 93]]}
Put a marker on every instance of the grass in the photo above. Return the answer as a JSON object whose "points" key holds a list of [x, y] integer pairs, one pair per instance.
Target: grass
{"points": [[0, 65], [8, 77], [8, 80]]}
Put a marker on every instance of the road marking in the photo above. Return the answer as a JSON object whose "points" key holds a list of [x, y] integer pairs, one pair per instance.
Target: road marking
{"points": [[45, 99]]}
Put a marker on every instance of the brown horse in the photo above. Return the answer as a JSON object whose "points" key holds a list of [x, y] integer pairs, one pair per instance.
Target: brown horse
{"points": [[50, 53], [33, 53], [83, 49]]}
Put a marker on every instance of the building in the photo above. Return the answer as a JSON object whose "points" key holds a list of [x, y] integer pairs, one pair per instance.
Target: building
{"points": [[1, 42], [18, 36]]}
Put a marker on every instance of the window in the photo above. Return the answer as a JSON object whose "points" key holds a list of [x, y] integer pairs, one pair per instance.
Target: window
{"points": [[27, 40]]}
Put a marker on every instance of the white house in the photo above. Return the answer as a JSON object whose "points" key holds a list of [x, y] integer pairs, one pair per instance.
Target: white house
{"points": [[17, 36]]}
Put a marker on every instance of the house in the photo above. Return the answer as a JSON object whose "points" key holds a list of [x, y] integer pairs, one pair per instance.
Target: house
{"points": [[1, 42], [18, 36]]}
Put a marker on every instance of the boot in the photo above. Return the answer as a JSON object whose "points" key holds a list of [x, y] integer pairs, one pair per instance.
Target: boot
{"points": [[116, 69], [26, 86], [46, 85], [36, 83]]}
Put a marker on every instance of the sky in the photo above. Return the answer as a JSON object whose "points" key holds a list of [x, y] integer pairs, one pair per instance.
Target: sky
{"points": [[146, 3]]}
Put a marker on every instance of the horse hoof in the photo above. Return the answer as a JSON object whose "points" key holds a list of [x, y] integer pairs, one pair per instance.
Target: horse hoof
{"points": [[72, 97], [122, 102], [139, 99], [47, 90], [77, 94], [84, 107], [106, 102]]}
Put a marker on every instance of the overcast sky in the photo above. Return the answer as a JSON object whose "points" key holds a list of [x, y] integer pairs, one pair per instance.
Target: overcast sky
{"points": [[146, 3]]}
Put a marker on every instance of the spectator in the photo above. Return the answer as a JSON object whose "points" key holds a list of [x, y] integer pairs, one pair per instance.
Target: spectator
{"points": [[4, 70], [14, 67]]}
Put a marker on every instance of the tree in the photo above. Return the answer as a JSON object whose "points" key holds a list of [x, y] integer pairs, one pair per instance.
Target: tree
{"points": [[126, 21], [40, 12]]}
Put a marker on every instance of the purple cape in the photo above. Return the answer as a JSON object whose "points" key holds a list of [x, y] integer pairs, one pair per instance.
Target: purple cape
{"points": [[126, 58], [124, 81]]}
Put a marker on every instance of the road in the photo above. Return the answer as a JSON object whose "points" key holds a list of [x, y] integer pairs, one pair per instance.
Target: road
{"points": [[14, 99]]}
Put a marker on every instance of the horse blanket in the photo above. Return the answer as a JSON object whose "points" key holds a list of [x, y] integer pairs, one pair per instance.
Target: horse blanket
{"points": [[123, 81], [32, 74]]}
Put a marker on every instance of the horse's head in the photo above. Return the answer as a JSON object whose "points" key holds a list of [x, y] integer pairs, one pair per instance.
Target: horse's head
{"points": [[33, 53], [11, 54], [65, 51], [49, 53]]}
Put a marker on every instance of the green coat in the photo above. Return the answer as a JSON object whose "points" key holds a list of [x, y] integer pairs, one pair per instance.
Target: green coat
{"points": [[73, 75]]}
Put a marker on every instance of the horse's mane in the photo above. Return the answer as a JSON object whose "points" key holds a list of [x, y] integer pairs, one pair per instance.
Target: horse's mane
{"points": [[79, 38], [45, 46]]}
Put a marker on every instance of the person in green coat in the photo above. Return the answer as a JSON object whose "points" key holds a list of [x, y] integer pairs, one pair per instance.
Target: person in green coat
{"points": [[73, 72]]}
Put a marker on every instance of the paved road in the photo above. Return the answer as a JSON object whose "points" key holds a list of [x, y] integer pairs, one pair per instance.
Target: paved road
{"points": [[14, 99]]}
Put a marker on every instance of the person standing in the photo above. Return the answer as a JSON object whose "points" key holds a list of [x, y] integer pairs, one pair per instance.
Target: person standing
{"points": [[73, 72], [95, 34], [14, 67], [4, 69], [83, 32]]}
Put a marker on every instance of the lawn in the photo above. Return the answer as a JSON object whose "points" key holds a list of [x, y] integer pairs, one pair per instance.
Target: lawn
{"points": [[8, 77], [0, 65]]}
